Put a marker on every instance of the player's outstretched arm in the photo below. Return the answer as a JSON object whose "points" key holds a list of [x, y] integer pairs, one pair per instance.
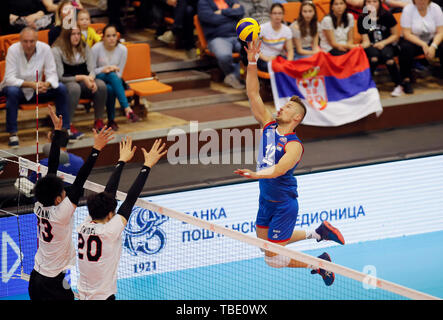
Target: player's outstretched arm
{"points": [[157, 151], [261, 114], [294, 151], [100, 140], [54, 153], [126, 154]]}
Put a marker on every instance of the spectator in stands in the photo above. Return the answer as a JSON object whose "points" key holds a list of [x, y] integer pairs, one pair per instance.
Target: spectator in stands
{"points": [[23, 59], [109, 57], [276, 38], [183, 27], [65, 12], [27, 13], [337, 29], [89, 35], [257, 9], [75, 68], [305, 31], [397, 5], [69, 163], [379, 35], [218, 19], [52, 5], [422, 25]]}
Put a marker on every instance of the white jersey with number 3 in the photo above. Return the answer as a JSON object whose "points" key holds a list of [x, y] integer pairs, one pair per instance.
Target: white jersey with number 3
{"points": [[99, 250], [55, 248]]}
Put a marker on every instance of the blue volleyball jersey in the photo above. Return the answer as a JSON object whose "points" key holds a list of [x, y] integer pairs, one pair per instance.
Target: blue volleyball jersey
{"points": [[272, 149]]}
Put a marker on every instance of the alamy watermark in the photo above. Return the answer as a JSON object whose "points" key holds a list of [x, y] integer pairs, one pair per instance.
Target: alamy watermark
{"points": [[210, 146]]}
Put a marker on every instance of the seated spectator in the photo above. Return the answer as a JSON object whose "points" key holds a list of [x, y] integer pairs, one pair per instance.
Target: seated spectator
{"points": [[23, 59], [397, 5], [109, 58], [75, 68], [422, 25], [64, 16], [379, 35], [52, 5], [218, 19], [69, 163], [337, 29], [305, 31], [27, 13], [276, 39], [89, 35], [257, 9], [183, 27]]}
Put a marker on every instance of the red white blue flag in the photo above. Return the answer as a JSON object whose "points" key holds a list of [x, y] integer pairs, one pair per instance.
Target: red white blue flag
{"points": [[336, 89]]}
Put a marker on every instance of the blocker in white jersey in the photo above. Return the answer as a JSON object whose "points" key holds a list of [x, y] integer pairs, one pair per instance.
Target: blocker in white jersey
{"points": [[55, 248], [100, 235], [54, 210], [99, 250]]}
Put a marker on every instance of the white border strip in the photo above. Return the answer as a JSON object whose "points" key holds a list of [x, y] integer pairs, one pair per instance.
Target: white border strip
{"points": [[263, 244]]}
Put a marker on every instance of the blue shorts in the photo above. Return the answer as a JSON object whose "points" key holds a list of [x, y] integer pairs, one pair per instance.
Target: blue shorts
{"points": [[279, 217]]}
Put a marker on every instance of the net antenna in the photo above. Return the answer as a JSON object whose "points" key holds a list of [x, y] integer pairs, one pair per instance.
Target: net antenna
{"points": [[36, 125], [259, 243]]}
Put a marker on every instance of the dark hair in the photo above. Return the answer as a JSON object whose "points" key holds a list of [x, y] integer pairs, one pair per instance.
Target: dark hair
{"points": [[99, 205], [380, 10], [110, 25], [303, 26], [47, 189], [344, 17], [276, 4], [297, 100]]}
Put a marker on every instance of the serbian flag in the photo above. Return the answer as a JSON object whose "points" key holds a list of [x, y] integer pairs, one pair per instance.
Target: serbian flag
{"points": [[336, 89]]}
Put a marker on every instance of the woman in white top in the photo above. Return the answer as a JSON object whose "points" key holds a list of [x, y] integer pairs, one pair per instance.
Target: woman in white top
{"points": [[110, 59], [337, 29], [276, 38], [422, 25], [305, 31]]}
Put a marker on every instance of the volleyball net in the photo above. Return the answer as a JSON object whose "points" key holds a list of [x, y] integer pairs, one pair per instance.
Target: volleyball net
{"points": [[199, 255]]}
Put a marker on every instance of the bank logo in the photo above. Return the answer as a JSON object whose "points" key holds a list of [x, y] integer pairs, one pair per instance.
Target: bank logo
{"points": [[142, 234]]}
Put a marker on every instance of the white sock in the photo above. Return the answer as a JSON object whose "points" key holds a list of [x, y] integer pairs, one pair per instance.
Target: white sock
{"points": [[312, 235]]}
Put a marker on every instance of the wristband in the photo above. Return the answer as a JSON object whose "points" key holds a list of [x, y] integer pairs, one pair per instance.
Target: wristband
{"points": [[434, 45], [252, 63]]}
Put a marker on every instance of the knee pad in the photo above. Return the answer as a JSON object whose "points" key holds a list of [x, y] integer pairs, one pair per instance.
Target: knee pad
{"points": [[277, 261]]}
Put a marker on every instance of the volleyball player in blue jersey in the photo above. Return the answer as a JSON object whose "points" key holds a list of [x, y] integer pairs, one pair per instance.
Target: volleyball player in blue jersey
{"points": [[280, 152]]}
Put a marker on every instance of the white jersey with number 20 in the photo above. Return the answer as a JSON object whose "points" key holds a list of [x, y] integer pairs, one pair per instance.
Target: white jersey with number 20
{"points": [[99, 250]]}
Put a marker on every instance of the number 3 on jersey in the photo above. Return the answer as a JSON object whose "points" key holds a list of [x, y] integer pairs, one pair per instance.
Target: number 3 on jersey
{"points": [[93, 247], [45, 228]]}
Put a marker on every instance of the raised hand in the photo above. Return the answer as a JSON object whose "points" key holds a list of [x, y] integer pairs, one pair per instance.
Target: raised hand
{"points": [[56, 121], [253, 50], [126, 150], [102, 138], [157, 151]]}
